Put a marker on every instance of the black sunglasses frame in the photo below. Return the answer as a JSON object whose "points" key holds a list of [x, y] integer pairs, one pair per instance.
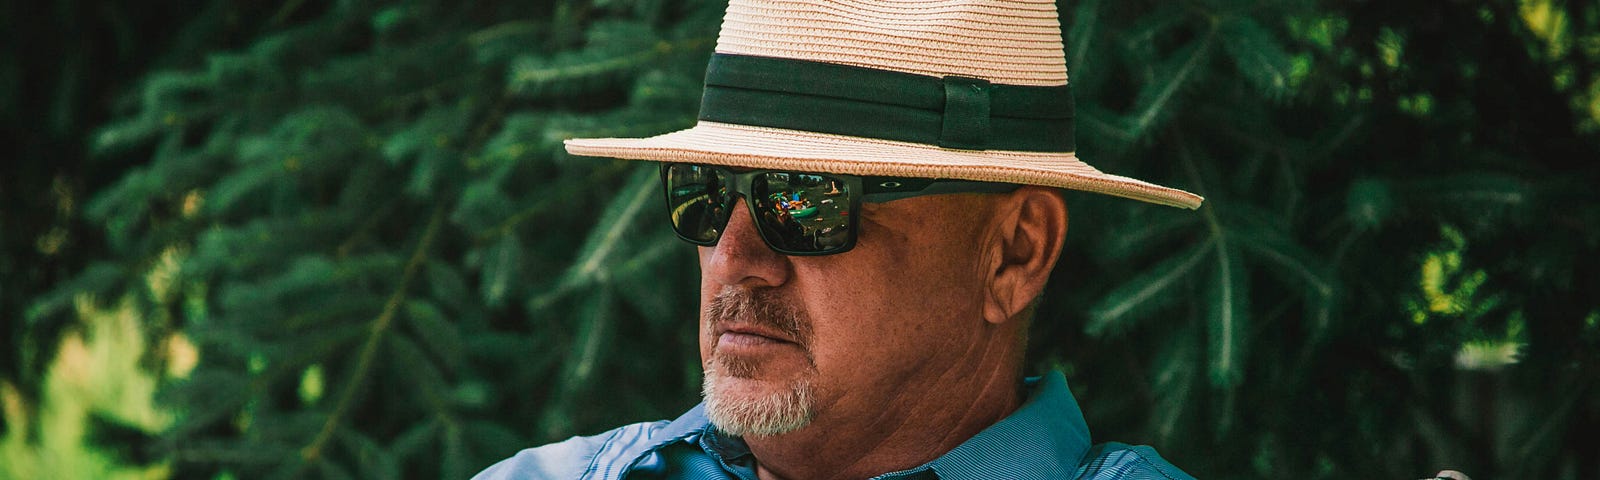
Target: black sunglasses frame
{"points": [[872, 189]]}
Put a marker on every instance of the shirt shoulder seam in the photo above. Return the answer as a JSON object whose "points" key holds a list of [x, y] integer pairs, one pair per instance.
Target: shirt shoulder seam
{"points": [[594, 461]]}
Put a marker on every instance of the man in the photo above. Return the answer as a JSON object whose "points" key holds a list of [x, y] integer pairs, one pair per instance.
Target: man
{"points": [[882, 336]]}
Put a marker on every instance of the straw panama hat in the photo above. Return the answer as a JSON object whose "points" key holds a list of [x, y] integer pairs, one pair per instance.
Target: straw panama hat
{"points": [[958, 89]]}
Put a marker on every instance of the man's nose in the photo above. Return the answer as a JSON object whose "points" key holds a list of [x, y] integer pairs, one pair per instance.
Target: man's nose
{"points": [[740, 257]]}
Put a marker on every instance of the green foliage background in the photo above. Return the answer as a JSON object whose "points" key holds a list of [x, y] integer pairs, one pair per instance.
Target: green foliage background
{"points": [[359, 215]]}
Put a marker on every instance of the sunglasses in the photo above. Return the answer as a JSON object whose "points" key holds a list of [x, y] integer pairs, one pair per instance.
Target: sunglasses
{"points": [[797, 213]]}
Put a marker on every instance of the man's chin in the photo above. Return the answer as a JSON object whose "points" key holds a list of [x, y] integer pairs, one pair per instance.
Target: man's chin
{"points": [[745, 406], [748, 389]]}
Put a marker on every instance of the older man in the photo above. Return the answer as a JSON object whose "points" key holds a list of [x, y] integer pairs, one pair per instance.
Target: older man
{"points": [[874, 189]]}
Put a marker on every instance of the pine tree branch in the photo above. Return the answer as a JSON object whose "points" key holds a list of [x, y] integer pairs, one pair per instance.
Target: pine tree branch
{"points": [[380, 325], [1159, 103], [285, 12], [1228, 320], [350, 242], [660, 49], [563, 196], [514, 27], [430, 94]]}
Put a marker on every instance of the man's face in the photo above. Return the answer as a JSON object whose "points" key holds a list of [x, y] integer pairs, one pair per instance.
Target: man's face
{"points": [[790, 340]]}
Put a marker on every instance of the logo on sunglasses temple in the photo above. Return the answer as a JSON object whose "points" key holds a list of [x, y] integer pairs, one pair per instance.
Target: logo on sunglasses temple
{"points": [[890, 184]]}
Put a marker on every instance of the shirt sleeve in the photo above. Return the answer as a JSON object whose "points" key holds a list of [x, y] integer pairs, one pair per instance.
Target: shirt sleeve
{"points": [[599, 456], [568, 459]]}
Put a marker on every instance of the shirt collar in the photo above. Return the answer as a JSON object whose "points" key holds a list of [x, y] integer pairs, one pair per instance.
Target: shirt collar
{"points": [[686, 426], [1045, 439]]}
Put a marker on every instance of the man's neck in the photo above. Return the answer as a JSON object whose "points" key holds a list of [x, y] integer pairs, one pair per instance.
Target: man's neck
{"points": [[913, 428]]}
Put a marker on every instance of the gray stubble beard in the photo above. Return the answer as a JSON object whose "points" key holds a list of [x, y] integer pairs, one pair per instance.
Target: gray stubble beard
{"points": [[785, 410], [789, 408]]}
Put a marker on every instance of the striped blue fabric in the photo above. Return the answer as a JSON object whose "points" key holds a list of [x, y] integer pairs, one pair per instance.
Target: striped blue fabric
{"points": [[1045, 439]]}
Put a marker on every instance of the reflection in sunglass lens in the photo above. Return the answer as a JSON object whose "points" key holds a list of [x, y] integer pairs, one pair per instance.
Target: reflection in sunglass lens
{"points": [[699, 201], [800, 212]]}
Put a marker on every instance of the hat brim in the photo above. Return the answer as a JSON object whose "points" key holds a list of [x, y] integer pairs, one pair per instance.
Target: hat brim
{"points": [[773, 148]]}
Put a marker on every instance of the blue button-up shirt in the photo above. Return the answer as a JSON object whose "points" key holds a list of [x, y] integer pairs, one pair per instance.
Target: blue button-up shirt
{"points": [[1045, 439]]}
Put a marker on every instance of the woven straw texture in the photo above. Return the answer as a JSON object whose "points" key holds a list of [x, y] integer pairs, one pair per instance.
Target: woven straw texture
{"points": [[1005, 41], [1015, 42]]}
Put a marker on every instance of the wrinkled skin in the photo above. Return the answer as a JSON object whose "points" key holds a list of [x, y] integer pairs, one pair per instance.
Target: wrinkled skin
{"points": [[909, 344]]}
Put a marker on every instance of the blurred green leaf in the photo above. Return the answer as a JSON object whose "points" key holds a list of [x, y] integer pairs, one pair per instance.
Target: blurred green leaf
{"points": [[456, 456], [1134, 299], [1173, 375], [1153, 104], [593, 329], [439, 335], [1257, 55], [501, 267], [609, 236], [446, 285], [415, 439], [615, 49], [1369, 203], [373, 460], [1228, 317]]}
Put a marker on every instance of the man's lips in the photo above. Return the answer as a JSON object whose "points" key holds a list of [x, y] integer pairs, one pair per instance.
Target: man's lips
{"points": [[749, 335]]}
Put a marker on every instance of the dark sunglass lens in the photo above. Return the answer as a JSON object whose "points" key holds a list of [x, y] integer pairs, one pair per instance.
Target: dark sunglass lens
{"points": [[802, 213], [698, 201]]}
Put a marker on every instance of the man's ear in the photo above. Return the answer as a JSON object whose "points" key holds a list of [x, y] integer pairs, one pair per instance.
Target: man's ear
{"points": [[1031, 226]]}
